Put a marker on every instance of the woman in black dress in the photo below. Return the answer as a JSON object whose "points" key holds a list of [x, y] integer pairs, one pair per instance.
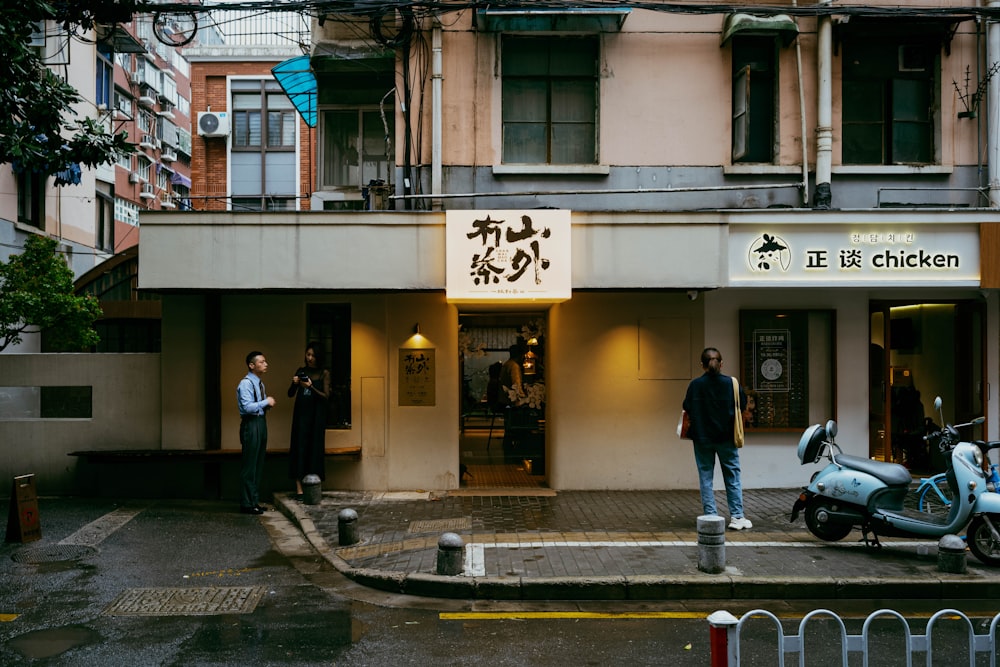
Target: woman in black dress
{"points": [[311, 388]]}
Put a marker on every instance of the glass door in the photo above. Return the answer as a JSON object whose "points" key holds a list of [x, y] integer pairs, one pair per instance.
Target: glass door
{"points": [[918, 351]]}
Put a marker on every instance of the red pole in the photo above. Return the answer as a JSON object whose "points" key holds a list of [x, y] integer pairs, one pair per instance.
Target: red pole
{"points": [[721, 624]]}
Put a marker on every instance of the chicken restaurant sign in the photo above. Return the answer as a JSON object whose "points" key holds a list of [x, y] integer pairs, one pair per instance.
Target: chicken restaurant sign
{"points": [[945, 254], [508, 256]]}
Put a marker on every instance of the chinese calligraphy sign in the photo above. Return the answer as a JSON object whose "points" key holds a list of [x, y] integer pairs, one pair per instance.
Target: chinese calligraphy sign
{"points": [[508, 256], [416, 377]]}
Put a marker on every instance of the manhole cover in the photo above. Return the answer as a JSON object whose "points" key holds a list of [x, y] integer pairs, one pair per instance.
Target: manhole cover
{"points": [[52, 553], [436, 525], [186, 601]]}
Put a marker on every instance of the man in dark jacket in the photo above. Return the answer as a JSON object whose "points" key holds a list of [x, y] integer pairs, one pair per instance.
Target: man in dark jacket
{"points": [[711, 404]]}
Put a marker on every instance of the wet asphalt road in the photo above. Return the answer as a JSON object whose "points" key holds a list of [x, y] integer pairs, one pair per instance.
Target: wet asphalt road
{"points": [[133, 584]]}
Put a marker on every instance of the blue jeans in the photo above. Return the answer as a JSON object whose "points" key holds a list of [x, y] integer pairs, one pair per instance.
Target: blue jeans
{"points": [[729, 459]]}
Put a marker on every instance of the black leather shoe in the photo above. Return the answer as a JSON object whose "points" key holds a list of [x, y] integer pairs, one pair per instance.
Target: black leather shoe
{"points": [[251, 510], [262, 508]]}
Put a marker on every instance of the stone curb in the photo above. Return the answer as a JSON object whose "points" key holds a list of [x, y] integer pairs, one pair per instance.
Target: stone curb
{"points": [[645, 587]]}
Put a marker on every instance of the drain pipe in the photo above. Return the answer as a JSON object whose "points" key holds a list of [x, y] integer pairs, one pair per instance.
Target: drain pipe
{"points": [[993, 110], [436, 75], [802, 117], [824, 112]]}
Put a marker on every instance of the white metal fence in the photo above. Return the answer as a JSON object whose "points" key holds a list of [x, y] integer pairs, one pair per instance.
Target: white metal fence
{"points": [[726, 631]]}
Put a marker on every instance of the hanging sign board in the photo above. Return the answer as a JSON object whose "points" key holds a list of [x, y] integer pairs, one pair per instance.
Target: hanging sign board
{"points": [[508, 256], [22, 520]]}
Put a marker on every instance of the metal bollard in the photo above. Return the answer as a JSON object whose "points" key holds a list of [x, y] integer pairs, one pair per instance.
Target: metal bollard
{"points": [[347, 527], [951, 555], [451, 551], [312, 489], [711, 543]]}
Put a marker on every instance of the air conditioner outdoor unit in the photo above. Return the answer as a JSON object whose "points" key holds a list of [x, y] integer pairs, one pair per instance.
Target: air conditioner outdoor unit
{"points": [[136, 78], [133, 177], [213, 124]]}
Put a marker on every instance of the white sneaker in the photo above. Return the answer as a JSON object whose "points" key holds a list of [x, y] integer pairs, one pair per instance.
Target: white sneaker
{"points": [[740, 523]]}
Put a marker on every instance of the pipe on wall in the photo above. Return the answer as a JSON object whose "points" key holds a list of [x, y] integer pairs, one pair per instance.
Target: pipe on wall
{"points": [[436, 79]]}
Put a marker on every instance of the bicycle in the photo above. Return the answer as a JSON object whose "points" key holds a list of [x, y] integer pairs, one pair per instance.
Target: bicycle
{"points": [[933, 495]]}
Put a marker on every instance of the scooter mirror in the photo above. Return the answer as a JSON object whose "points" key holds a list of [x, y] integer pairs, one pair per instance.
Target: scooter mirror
{"points": [[831, 429]]}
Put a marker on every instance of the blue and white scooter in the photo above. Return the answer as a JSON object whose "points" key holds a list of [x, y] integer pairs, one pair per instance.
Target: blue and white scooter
{"points": [[855, 492]]}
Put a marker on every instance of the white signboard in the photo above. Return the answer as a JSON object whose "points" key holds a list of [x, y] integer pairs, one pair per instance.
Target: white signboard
{"points": [[508, 256], [865, 255]]}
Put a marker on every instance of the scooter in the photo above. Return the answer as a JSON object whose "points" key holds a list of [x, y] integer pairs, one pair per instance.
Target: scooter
{"points": [[855, 492]]}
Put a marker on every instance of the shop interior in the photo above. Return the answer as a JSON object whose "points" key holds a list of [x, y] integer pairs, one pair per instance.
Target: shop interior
{"points": [[502, 438], [919, 351]]}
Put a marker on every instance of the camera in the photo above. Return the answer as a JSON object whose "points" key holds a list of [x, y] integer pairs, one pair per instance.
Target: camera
{"points": [[303, 377]]}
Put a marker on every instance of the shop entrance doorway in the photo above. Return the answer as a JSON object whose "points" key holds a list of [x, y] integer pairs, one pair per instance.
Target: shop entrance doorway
{"points": [[502, 436], [919, 350]]}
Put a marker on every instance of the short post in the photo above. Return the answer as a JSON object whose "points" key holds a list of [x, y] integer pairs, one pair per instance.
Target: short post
{"points": [[451, 551], [312, 489], [721, 624], [711, 543], [347, 527], [951, 555]]}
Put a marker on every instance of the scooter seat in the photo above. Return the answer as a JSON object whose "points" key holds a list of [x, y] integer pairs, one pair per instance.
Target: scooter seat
{"points": [[890, 473]]}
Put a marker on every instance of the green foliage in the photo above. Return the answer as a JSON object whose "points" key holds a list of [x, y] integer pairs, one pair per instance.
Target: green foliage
{"points": [[36, 293], [37, 132]]}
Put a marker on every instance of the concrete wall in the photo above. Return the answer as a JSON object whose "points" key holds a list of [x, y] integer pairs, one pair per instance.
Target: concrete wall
{"points": [[126, 414]]}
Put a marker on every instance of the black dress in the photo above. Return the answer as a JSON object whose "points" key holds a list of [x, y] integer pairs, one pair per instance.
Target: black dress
{"points": [[308, 444]]}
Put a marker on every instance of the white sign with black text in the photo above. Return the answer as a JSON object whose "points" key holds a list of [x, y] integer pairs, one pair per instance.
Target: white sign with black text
{"points": [[892, 254], [508, 256]]}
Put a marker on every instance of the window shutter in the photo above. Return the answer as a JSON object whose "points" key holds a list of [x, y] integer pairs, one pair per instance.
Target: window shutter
{"points": [[741, 114]]}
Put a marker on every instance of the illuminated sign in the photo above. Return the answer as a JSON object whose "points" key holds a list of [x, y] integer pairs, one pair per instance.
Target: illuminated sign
{"points": [[805, 255], [508, 256]]}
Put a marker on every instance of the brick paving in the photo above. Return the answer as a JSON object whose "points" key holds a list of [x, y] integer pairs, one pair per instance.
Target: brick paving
{"points": [[581, 535]]}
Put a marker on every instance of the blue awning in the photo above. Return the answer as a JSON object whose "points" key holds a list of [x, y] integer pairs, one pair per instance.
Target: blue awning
{"points": [[297, 79], [180, 179]]}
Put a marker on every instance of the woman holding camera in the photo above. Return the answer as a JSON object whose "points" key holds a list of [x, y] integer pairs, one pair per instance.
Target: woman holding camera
{"points": [[311, 388]]}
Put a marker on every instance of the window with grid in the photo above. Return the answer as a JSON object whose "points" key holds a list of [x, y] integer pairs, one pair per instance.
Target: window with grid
{"points": [[356, 147], [889, 101], [263, 159], [550, 93]]}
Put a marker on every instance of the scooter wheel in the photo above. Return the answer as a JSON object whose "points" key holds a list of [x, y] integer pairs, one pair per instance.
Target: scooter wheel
{"points": [[824, 530], [981, 541]]}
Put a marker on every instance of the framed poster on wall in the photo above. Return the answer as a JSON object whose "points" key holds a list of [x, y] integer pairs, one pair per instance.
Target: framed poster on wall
{"points": [[786, 367], [416, 377]]}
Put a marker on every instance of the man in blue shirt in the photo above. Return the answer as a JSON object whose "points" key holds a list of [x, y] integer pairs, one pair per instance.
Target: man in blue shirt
{"points": [[711, 403], [253, 402]]}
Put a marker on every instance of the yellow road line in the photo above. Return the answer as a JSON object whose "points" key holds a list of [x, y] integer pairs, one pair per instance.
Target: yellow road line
{"points": [[524, 615], [6, 618]]}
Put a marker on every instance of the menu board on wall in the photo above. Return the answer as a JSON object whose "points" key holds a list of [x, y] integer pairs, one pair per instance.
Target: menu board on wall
{"points": [[416, 377], [775, 363]]}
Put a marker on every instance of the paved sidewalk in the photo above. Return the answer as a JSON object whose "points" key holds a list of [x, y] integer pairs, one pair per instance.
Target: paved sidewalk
{"points": [[614, 545]]}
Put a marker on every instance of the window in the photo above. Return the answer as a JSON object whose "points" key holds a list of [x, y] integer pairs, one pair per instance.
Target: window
{"points": [[889, 103], [356, 147], [105, 214], [329, 325], [105, 76], [754, 99], [264, 166], [788, 366], [550, 100], [31, 199]]}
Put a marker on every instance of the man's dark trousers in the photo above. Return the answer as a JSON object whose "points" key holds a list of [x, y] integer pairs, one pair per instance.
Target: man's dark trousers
{"points": [[253, 438]]}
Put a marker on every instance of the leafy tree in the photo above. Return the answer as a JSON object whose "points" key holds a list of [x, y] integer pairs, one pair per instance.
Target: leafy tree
{"points": [[37, 132], [36, 293]]}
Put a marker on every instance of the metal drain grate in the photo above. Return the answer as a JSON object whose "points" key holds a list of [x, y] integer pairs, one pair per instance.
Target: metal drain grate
{"points": [[437, 525], [52, 553], [186, 601]]}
